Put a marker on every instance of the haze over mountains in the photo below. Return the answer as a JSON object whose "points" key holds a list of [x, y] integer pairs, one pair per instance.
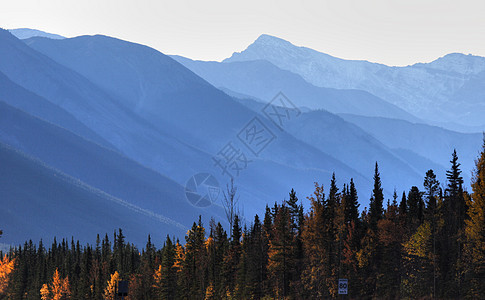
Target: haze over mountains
{"points": [[98, 122], [428, 91], [25, 33]]}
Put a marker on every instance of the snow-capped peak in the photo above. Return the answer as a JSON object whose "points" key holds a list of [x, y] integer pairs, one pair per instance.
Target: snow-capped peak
{"points": [[459, 63]]}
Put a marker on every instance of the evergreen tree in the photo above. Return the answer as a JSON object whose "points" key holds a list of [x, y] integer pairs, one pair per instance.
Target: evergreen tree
{"points": [[370, 254], [351, 209], [281, 260], [232, 259], [390, 235], [297, 219], [257, 268], [316, 256], [450, 241], [431, 188], [193, 265], [403, 205], [165, 276], [415, 209], [217, 251], [376, 201]]}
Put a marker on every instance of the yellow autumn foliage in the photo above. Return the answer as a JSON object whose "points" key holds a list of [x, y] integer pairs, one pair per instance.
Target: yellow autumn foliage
{"points": [[6, 267], [59, 289], [110, 290], [419, 243]]}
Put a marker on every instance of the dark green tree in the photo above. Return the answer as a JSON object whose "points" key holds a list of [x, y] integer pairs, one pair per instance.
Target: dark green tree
{"points": [[376, 201]]}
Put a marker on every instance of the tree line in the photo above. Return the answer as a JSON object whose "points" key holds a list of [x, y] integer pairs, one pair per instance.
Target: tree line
{"points": [[426, 243]]}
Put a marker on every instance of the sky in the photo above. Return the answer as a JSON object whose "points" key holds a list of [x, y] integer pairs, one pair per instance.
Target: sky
{"points": [[393, 32]]}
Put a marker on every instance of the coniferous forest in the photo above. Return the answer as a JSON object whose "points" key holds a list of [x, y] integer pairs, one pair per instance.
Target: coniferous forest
{"points": [[427, 243]]}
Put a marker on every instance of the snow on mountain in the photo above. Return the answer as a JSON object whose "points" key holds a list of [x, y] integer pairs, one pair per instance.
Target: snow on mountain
{"points": [[25, 33], [458, 63], [421, 89], [161, 123], [263, 80]]}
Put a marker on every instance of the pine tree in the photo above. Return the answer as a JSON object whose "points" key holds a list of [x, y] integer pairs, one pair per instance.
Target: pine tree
{"points": [[181, 269], [120, 253], [403, 205], [164, 279], [432, 191], [376, 201], [390, 235], [242, 281], [297, 219], [232, 258], [431, 187], [415, 209], [217, 245], [195, 258], [316, 256], [351, 204], [331, 236], [453, 231], [370, 254], [281, 260]]}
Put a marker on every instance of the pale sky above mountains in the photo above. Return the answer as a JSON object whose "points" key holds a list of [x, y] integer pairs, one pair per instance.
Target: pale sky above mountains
{"points": [[393, 32]]}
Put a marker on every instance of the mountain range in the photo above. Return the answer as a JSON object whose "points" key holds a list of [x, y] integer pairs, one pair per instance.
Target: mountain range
{"points": [[110, 131], [430, 91]]}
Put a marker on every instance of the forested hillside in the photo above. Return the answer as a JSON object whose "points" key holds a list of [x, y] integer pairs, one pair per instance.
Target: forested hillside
{"points": [[427, 243]]}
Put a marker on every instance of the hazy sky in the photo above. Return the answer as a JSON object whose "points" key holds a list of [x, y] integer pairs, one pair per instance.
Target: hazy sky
{"points": [[387, 31]]}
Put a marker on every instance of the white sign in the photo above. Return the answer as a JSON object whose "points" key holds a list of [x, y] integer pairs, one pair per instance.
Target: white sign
{"points": [[343, 285]]}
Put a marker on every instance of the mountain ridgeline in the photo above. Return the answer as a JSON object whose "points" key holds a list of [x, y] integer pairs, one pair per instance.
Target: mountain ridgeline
{"points": [[108, 133]]}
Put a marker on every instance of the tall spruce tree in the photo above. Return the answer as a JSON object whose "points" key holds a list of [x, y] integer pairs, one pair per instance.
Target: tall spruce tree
{"points": [[351, 209], [376, 201], [431, 191], [415, 209], [454, 217], [281, 253]]}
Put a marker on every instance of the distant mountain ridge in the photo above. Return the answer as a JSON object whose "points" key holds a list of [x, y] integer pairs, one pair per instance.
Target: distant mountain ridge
{"points": [[25, 33], [262, 79], [132, 124], [173, 98], [424, 90]]}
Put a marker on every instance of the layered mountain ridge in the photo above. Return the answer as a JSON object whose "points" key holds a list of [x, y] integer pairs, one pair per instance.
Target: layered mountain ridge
{"points": [[133, 125]]}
